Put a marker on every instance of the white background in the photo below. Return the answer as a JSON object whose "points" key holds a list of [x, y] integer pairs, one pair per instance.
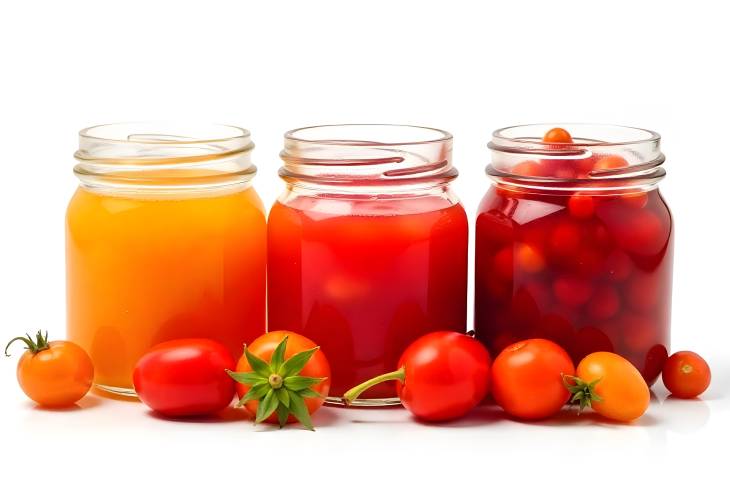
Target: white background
{"points": [[270, 66]]}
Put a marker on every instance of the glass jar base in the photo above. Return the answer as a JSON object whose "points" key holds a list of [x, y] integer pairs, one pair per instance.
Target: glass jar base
{"points": [[115, 391], [363, 402]]}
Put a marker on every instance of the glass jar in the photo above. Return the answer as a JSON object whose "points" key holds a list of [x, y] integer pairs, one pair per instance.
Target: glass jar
{"points": [[367, 246], [574, 243], [165, 239]]}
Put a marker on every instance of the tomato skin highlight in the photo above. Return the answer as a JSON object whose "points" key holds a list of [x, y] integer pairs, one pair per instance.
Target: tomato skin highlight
{"points": [[317, 367], [185, 377], [624, 393], [686, 375], [527, 378], [446, 375], [58, 376]]}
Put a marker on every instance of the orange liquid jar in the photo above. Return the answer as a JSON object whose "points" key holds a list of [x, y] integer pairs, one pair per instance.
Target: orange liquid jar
{"points": [[367, 246], [165, 239]]}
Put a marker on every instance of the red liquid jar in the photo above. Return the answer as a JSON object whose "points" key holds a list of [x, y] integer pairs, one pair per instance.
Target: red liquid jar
{"points": [[574, 244], [367, 246]]}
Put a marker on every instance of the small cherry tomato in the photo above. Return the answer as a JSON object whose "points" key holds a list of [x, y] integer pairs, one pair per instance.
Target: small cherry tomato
{"points": [[611, 162], [581, 205], [686, 375], [572, 291], [282, 377], [558, 136], [185, 377], [611, 385], [443, 375], [53, 374], [527, 378]]}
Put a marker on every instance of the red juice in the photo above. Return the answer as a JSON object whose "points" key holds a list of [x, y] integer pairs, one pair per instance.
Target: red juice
{"points": [[365, 277]]}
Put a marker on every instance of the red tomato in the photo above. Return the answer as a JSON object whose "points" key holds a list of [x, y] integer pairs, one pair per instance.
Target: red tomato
{"points": [[443, 376], [686, 375], [581, 205], [572, 291], [185, 377], [610, 163], [558, 136], [527, 378], [317, 367]]}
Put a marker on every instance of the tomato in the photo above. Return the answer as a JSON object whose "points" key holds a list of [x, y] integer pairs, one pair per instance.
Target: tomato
{"points": [[611, 162], [581, 205], [612, 386], [442, 376], [527, 378], [53, 374], [316, 369], [557, 135], [185, 377], [686, 374], [572, 291]]}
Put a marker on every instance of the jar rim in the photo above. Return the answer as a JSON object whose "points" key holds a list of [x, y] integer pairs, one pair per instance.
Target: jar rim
{"points": [[523, 144], [360, 131], [153, 141], [501, 134]]}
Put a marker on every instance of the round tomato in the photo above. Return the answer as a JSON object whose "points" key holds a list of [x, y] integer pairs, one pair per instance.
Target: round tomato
{"points": [[527, 378], [317, 366], [612, 386], [185, 377], [686, 375], [443, 375], [558, 136], [53, 374]]}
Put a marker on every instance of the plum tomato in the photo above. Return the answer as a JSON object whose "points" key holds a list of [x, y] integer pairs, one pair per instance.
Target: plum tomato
{"points": [[527, 378], [686, 375], [611, 162], [282, 377], [442, 376], [53, 373], [185, 377], [557, 136], [611, 385]]}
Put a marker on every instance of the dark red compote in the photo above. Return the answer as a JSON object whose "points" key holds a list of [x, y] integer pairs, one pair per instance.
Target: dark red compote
{"points": [[574, 243]]}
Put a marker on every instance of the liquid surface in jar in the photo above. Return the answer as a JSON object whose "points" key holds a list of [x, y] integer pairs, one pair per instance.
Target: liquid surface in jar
{"points": [[364, 278], [142, 270], [591, 272]]}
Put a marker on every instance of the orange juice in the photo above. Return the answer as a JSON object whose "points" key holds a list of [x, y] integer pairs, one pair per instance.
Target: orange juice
{"points": [[150, 265]]}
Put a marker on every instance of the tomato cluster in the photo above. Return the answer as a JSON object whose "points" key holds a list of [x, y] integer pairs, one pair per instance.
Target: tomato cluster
{"points": [[590, 271]]}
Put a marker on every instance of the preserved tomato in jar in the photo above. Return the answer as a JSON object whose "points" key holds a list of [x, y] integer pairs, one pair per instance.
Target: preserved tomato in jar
{"points": [[574, 243]]}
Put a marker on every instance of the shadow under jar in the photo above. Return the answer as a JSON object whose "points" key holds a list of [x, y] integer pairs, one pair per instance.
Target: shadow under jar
{"points": [[165, 239], [574, 244], [367, 246]]}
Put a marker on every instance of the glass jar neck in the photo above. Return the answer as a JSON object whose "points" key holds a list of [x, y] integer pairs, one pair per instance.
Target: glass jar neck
{"points": [[599, 158], [164, 157], [367, 158]]}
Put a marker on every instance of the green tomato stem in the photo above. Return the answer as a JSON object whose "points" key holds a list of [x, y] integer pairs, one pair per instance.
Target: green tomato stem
{"points": [[40, 343], [353, 393]]}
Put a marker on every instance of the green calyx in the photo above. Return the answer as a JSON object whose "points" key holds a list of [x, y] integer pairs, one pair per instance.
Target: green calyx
{"points": [[40, 343], [277, 385], [583, 393]]}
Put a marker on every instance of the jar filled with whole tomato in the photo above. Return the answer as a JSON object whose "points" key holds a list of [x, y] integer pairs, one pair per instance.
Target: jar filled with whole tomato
{"points": [[574, 242], [367, 246]]}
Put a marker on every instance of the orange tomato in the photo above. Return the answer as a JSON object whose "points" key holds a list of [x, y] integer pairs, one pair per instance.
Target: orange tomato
{"points": [[558, 136], [53, 374], [318, 367], [622, 393]]}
